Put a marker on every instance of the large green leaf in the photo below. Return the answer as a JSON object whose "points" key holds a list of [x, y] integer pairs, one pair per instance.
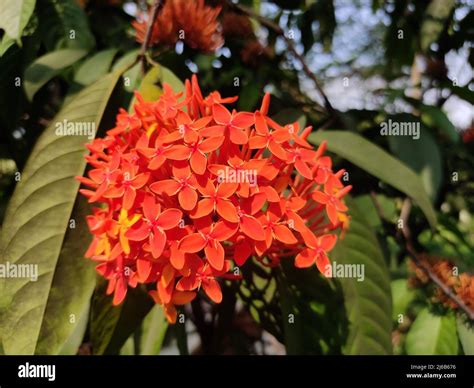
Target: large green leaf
{"points": [[423, 156], [95, 67], [133, 74], [64, 24], [110, 325], [153, 331], [14, 15], [66, 313], [35, 229], [48, 66], [379, 163], [366, 204], [312, 312], [149, 336], [368, 301], [466, 336], [432, 335]]}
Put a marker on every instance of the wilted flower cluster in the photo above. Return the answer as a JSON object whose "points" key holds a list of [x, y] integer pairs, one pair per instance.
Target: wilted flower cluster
{"points": [[189, 189], [461, 284], [192, 22]]}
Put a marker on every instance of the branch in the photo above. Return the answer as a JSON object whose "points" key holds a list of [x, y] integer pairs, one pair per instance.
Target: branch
{"points": [[404, 215], [155, 10], [291, 47]]}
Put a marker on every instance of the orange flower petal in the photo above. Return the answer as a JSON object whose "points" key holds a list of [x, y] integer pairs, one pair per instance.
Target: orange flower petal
{"points": [[192, 243], [167, 186], [252, 228], [327, 242], [157, 242], [220, 114], [204, 207], [169, 218], [215, 255], [322, 262], [237, 136], [227, 211], [305, 259], [143, 269], [211, 144], [213, 290], [180, 298], [198, 163], [187, 198], [283, 234]]}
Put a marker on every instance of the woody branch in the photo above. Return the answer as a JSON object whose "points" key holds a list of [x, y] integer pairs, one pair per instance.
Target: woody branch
{"points": [[291, 47], [411, 252], [155, 10]]}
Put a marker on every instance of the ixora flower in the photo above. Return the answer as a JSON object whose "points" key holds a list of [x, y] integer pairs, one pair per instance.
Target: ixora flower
{"points": [[188, 189]]}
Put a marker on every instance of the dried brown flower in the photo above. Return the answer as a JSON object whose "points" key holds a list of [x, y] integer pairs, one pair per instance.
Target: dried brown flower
{"points": [[190, 21], [461, 284]]}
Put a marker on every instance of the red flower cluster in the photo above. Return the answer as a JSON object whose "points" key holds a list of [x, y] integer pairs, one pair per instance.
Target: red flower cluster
{"points": [[189, 189]]}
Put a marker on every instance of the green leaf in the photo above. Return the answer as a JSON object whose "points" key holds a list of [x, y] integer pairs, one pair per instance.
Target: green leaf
{"points": [[95, 67], [379, 163], [368, 302], [366, 204], [72, 344], [66, 314], [422, 156], [148, 338], [432, 335], [64, 24], [128, 348], [14, 15], [436, 118], [312, 312], [466, 336], [402, 296], [5, 44], [181, 338], [110, 325], [153, 331], [48, 66], [127, 60], [35, 228], [151, 86], [436, 15], [133, 74]]}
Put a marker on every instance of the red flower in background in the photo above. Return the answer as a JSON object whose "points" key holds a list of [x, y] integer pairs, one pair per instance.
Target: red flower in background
{"points": [[189, 189], [193, 22]]}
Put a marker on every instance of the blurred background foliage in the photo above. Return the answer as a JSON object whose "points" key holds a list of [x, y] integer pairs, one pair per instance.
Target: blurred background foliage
{"points": [[378, 60]]}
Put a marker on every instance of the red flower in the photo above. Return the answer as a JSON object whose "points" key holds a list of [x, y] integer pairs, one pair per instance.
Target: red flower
{"points": [[316, 253], [188, 189]]}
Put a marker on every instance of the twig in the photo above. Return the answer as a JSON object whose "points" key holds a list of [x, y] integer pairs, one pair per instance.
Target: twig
{"points": [[406, 233], [157, 5], [291, 47]]}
